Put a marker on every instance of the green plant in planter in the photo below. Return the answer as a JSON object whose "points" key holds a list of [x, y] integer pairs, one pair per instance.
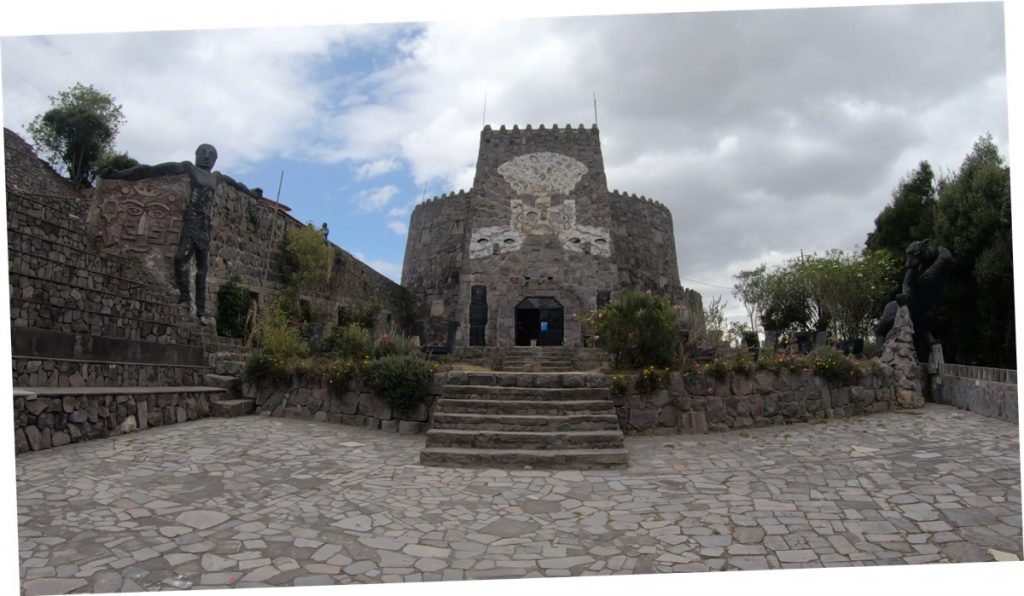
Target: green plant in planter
{"points": [[637, 330], [279, 347], [718, 369], [338, 374], [744, 365], [391, 343], [402, 381], [619, 386], [651, 379], [351, 341], [832, 366]]}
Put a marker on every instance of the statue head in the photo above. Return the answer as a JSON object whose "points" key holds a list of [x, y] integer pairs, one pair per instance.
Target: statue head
{"points": [[206, 156], [919, 254]]}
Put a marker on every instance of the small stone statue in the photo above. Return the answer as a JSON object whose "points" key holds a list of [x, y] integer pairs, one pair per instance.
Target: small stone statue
{"points": [[923, 282], [196, 224], [324, 232]]}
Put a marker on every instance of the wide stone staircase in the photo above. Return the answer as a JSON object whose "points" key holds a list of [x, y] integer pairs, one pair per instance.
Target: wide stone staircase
{"points": [[525, 420], [538, 359]]}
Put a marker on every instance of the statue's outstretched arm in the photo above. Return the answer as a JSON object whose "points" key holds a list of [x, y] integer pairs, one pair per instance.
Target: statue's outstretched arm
{"points": [[236, 184], [141, 171]]}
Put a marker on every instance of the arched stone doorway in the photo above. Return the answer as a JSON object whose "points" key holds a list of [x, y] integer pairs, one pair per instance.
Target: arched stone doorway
{"points": [[540, 319]]}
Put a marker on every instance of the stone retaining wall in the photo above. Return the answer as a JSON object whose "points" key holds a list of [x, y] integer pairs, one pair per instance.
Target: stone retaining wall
{"points": [[44, 421], [986, 391], [356, 407], [697, 403], [54, 372]]}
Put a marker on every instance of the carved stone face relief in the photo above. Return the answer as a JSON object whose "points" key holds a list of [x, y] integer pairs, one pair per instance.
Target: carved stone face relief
{"points": [[538, 176]]}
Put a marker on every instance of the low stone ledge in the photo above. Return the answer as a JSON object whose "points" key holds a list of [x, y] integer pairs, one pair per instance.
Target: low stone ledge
{"points": [[697, 403], [46, 417], [357, 406]]}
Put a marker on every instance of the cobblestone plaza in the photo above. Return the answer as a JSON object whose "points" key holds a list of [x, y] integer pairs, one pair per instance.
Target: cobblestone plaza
{"points": [[259, 501]]}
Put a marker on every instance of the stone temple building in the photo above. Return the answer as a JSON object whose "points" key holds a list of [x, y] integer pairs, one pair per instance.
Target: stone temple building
{"points": [[537, 240]]}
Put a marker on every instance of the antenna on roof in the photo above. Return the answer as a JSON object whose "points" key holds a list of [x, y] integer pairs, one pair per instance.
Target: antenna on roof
{"points": [[483, 120], [595, 108], [273, 228], [424, 197]]}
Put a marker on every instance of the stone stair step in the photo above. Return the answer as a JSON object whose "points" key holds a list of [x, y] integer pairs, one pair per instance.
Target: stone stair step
{"points": [[522, 407], [488, 392], [549, 423], [232, 384], [496, 439], [528, 379], [578, 459], [232, 408]]}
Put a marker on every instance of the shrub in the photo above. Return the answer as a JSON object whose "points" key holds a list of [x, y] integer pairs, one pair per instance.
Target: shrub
{"points": [[351, 341], [619, 387], [744, 365], [233, 304], [637, 330], [392, 344], [338, 374], [769, 361], [651, 379], [834, 367], [279, 348], [718, 369], [403, 381], [307, 260]]}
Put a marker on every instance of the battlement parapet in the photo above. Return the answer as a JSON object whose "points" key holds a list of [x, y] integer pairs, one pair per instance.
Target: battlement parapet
{"points": [[633, 196]]}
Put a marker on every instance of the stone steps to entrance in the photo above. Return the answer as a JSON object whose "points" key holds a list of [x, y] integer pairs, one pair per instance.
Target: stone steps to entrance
{"points": [[488, 392], [538, 359], [576, 459], [525, 419], [524, 407], [516, 422], [498, 439]]}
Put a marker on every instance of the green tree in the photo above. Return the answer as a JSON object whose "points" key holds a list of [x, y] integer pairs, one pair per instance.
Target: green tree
{"points": [[752, 288], [975, 320], [908, 217], [115, 161], [307, 261], [77, 130]]}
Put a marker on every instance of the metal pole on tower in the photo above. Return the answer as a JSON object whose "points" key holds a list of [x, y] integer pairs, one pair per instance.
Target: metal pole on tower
{"points": [[483, 120], [595, 108]]}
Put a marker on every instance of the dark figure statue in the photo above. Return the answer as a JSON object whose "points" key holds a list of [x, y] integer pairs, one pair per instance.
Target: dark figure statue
{"points": [[196, 224], [922, 287]]}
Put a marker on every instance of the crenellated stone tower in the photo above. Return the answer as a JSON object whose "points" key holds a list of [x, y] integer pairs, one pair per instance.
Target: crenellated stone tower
{"points": [[538, 240]]}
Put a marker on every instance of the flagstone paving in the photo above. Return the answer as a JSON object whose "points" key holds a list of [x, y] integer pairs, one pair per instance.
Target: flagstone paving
{"points": [[257, 501]]}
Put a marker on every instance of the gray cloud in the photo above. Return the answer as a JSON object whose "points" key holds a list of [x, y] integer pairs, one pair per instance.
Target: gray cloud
{"points": [[765, 132]]}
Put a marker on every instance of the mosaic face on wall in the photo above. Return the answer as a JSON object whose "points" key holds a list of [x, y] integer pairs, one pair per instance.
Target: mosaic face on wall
{"points": [[538, 176]]}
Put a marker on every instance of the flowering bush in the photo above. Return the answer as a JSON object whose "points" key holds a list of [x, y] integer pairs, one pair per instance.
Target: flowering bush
{"points": [[651, 379], [718, 369], [834, 367], [392, 344], [338, 374]]}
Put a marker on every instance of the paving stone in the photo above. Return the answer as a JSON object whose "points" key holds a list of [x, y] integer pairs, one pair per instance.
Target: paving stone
{"points": [[360, 509], [202, 519]]}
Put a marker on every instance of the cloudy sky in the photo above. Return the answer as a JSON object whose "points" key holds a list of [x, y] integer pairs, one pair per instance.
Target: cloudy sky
{"points": [[766, 133]]}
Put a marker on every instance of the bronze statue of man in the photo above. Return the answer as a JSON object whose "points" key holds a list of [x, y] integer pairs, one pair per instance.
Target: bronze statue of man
{"points": [[196, 224]]}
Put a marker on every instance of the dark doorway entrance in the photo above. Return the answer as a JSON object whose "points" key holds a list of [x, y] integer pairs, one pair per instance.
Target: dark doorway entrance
{"points": [[539, 319]]}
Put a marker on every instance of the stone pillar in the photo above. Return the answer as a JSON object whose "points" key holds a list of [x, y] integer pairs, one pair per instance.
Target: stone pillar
{"points": [[899, 355]]}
